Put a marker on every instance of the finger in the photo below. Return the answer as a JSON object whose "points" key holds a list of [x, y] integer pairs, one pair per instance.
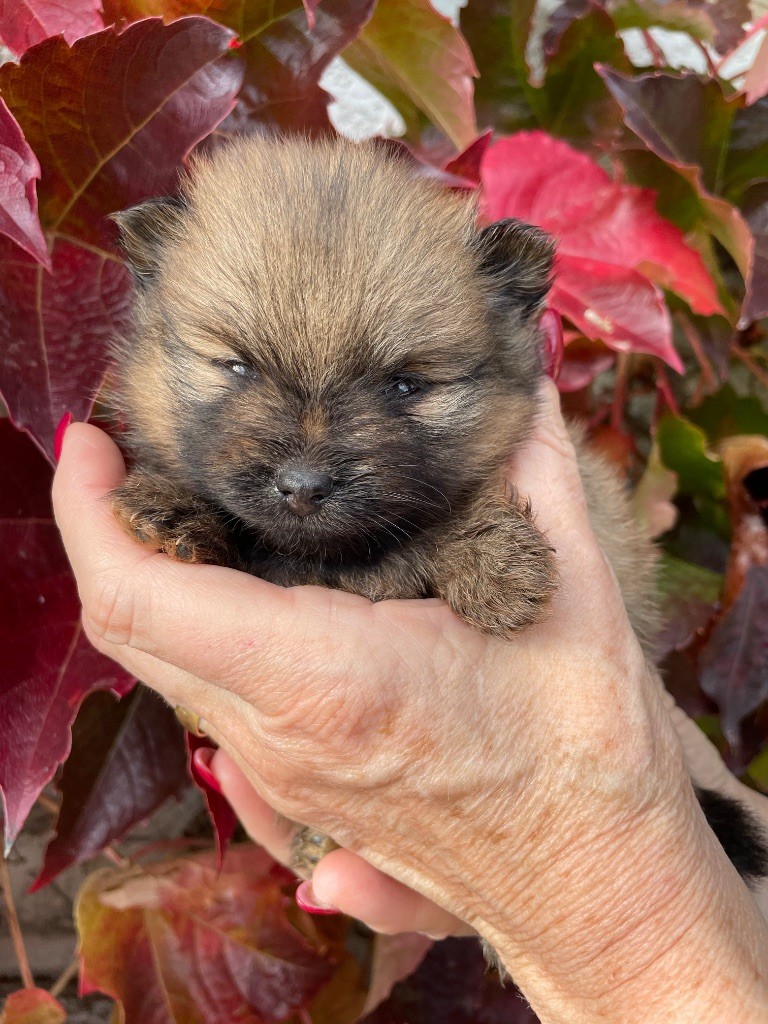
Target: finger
{"points": [[546, 470], [259, 819], [209, 621], [349, 883]]}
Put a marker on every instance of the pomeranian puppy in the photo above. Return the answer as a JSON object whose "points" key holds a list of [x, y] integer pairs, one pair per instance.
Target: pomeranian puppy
{"points": [[330, 367]]}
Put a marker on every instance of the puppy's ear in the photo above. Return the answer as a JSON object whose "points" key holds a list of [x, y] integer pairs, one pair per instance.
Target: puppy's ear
{"points": [[144, 231], [516, 258]]}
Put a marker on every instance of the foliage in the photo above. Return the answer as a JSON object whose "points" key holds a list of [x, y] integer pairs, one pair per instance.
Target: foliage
{"points": [[654, 182]]}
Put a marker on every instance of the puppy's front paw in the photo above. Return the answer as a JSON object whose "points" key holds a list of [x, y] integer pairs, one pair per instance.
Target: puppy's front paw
{"points": [[307, 847], [500, 573], [183, 530]]}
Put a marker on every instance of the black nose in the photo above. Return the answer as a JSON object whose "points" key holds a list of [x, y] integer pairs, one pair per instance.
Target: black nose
{"points": [[304, 489]]}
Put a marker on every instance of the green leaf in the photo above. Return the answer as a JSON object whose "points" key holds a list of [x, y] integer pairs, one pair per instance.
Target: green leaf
{"points": [[575, 103], [426, 59], [717, 22], [679, 579], [683, 448], [726, 413], [497, 32]]}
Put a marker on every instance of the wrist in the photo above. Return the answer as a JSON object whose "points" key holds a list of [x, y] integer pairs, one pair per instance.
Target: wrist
{"points": [[651, 924]]}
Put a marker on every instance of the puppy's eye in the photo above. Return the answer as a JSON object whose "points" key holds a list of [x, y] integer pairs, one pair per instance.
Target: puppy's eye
{"points": [[404, 387], [234, 366]]}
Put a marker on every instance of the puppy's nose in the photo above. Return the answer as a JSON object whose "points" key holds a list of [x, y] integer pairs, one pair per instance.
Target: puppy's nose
{"points": [[303, 489]]}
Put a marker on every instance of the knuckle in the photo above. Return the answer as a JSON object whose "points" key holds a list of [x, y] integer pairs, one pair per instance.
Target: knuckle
{"points": [[117, 608]]}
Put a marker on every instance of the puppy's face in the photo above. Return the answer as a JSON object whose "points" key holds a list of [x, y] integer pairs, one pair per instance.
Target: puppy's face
{"points": [[326, 349]]}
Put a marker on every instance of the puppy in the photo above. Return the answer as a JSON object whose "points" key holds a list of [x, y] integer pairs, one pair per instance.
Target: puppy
{"points": [[330, 366]]}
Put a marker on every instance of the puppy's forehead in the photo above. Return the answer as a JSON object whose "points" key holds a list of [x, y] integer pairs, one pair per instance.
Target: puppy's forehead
{"points": [[323, 259]]}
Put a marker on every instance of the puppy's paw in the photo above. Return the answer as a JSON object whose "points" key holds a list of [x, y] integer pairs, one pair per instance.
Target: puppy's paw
{"points": [[166, 522], [499, 573], [308, 846]]}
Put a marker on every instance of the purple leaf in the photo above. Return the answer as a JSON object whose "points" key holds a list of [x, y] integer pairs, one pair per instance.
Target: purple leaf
{"points": [[23, 23], [47, 666], [19, 170], [127, 759]]}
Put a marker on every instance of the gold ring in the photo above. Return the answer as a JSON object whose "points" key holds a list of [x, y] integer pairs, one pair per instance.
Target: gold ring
{"points": [[191, 721]]}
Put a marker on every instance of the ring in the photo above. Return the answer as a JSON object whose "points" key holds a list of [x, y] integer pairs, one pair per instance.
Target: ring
{"points": [[191, 721]]}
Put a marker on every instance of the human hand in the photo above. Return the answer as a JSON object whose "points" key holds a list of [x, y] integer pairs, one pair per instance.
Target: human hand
{"points": [[518, 786], [346, 882]]}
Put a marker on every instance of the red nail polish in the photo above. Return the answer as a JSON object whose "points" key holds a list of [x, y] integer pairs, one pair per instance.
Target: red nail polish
{"points": [[552, 342], [234, 44], [58, 437], [307, 900], [202, 760]]}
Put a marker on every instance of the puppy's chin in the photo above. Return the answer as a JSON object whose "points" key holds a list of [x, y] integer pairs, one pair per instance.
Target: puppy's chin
{"points": [[329, 535]]}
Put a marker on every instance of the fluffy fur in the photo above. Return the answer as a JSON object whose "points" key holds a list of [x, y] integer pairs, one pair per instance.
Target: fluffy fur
{"points": [[311, 308]]}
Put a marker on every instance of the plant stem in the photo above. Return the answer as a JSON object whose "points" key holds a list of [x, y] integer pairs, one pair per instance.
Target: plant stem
{"points": [[620, 391], [48, 804], [711, 66], [751, 364], [14, 927], [111, 854], [709, 379], [65, 977], [657, 54]]}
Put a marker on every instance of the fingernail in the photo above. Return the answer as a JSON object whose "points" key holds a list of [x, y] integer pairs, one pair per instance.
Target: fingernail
{"points": [[307, 900], [202, 758], [58, 437], [552, 342]]}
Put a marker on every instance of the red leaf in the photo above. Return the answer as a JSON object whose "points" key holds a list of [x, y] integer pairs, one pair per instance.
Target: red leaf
{"points": [[19, 170], [467, 164], [223, 818], [583, 360], [111, 119], [160, 89], [32, 1006], [127, 759], [55, 331], [613, 248], [183, 941], [26, 22], [47, 666], [283, 62], [422, 167]]}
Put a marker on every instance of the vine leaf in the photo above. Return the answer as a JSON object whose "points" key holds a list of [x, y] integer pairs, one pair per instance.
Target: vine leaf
{"points": [[412, 50], [733, 662], [23, 23], [613, 250], [127, 759], [688, 123], [19, 170], [181, 940], [283, 59], [32, 1006], [160, 89], [47, 666], [223, 818], [453, 984]]}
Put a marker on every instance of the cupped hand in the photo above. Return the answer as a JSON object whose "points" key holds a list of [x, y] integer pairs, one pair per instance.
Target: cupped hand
{"points": [[516, 786]]}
